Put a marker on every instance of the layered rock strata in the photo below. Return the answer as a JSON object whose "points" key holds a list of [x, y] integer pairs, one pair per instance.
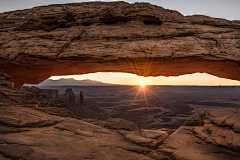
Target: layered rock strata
{"points": [[49, 100], [214, 134], [136, 38], [12, 96], [46, 97]]}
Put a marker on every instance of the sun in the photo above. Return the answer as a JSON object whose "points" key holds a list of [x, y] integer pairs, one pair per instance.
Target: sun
{"points": [[142, 84]]}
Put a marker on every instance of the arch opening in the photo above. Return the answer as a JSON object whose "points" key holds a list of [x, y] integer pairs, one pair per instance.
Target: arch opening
{"points": [[119, 78], [147, 66]]}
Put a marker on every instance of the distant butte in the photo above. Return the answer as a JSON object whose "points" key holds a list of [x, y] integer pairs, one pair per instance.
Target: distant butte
{"points": [[138, 38]]}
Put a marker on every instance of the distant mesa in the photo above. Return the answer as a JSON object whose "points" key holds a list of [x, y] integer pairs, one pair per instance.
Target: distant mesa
{"points": [[72, 82]]}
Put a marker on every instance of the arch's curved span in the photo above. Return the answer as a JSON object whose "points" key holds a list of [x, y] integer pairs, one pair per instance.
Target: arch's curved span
{"points": [[137, 38]]}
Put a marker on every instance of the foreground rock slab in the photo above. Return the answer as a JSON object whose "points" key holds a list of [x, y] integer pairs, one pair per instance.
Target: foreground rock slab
{"points": [[207, 136], [65, 141]]}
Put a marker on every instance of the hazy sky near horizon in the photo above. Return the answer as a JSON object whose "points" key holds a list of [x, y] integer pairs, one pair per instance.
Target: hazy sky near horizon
{"points": [[227, 9], [132, 79]]}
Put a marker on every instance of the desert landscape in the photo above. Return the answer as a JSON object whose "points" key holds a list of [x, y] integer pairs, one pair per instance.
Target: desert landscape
{"points": [[117, 122], [152, 106]]}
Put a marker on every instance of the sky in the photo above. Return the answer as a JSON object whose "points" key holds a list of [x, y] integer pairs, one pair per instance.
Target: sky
{"points": [[132, 79], [227, 9]]}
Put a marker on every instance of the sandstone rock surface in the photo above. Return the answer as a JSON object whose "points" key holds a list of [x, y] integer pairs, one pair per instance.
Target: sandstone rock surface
{"points": [[66, 106], [136, 38], [137, 138], [68, 94], [209, 139], [119, 124], [153, 134]]}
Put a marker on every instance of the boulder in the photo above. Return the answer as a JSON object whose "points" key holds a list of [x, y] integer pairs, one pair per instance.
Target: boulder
{"points": [[219, 116], [194, 120], [121, 124], [68, 95], [136, 137]]}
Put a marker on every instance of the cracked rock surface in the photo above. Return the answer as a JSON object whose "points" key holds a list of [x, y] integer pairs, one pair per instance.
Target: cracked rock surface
{"points": [[211, 136], [138, 38]]}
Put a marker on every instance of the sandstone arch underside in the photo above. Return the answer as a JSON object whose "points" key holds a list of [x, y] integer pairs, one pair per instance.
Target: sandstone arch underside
{"points": [[136, 38]]}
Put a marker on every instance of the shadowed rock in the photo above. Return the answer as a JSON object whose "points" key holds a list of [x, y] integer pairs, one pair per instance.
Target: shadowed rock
{"points": [[194, 120], [81, 100], [46, 97], [71, 100], [69, 96], [210, 137], [52, 94], [118, 123]]}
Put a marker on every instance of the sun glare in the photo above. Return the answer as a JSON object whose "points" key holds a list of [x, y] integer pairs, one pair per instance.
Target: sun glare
{"points": [[142, 84]]}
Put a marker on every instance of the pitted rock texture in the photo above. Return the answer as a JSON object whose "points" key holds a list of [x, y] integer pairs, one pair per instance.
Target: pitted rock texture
{"points": [[136, 38]]}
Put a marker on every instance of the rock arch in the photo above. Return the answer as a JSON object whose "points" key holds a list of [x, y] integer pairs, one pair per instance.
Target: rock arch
{"points": [[138, 38]]}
